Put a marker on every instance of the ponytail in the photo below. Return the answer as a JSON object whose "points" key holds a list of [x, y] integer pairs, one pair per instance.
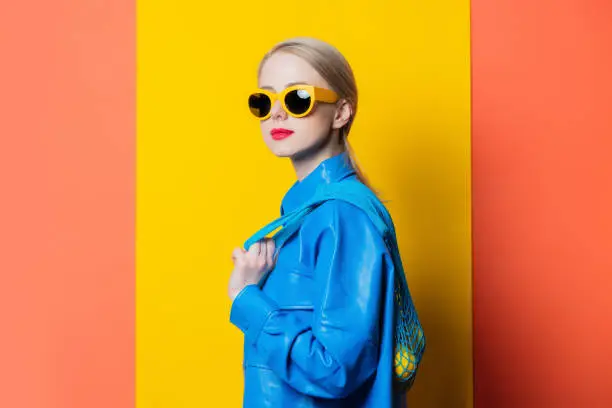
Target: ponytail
{"points": [[353, 161]]}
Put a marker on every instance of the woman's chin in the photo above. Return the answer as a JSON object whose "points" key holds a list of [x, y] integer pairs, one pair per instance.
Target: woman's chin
{"points": [[293, 147], [283, 150]]}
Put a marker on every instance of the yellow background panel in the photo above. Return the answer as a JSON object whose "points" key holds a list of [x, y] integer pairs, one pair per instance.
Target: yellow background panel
{"points": [[206, 181]]}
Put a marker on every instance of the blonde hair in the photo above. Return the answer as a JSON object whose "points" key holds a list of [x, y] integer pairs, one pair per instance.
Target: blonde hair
{"points": [[336, 71]]}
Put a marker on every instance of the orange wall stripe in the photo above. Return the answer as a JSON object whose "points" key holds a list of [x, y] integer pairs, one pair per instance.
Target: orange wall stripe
{"points": [[67, 176], [542, 200]]}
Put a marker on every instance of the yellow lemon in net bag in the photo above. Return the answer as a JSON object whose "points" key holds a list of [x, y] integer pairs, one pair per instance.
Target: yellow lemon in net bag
{"points": [[404, 362]]}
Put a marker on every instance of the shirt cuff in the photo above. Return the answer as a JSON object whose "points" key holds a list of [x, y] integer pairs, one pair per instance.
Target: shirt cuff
{"points": [[250, 311]]}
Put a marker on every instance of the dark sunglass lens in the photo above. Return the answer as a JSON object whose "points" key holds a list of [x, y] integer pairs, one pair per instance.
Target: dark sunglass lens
{"points": [[259, 104], [298, 101]]}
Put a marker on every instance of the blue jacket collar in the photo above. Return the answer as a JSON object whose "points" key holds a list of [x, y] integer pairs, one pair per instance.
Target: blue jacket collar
{"points": [[328, 171]]}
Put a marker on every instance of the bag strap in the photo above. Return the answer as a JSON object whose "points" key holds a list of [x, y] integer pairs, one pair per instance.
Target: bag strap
{"points": [[351, 191]]}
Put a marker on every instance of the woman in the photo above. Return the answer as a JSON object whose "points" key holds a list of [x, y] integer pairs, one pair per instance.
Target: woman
{"points": [[319, 331]]}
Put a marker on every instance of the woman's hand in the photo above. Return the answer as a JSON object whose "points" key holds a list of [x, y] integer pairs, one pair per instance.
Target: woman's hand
{"points": [[251, 265]]}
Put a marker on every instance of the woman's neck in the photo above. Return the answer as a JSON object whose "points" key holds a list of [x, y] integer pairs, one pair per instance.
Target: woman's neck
{"points": [[305, 164]]}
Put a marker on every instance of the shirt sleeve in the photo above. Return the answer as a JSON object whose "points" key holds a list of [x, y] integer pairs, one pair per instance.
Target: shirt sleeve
{"points": [[333, 350]]}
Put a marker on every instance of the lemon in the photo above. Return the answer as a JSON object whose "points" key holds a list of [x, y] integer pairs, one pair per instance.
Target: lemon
{"points": [[404, 362]]}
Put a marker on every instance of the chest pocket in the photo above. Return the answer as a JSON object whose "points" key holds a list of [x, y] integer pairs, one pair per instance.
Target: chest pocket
{"points": [[291, 286]]}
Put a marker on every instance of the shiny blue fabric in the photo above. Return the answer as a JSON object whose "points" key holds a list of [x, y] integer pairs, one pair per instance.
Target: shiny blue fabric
{"points": [[319, 332]]}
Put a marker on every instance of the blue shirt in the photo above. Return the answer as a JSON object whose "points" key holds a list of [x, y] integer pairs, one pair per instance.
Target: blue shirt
{"points": [[319, 332]]}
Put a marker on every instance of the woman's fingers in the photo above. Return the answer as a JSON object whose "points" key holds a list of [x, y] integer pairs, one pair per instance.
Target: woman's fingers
{"points": [[255, 249], [237, 253], [270, 247], [260, 254], [263, 252]]}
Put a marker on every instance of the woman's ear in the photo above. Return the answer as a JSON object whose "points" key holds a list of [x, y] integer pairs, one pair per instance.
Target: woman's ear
{"points": [[344, 112]]}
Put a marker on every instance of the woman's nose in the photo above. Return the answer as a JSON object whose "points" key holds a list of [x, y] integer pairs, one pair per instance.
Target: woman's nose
{"points": [[278, 113]]}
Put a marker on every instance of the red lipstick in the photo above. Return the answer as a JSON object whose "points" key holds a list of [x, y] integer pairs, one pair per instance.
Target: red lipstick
{"points": [[280, 133]]}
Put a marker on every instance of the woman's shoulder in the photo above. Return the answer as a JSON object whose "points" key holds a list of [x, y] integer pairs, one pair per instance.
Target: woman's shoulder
{"points": [[351, 200], [340, 217]]}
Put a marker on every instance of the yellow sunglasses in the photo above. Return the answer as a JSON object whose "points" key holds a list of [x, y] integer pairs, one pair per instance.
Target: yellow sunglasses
{"points": [[296, 100]]}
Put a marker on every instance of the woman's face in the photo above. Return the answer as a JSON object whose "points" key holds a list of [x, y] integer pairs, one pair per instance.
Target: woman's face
{"points": [[310, 132]]}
